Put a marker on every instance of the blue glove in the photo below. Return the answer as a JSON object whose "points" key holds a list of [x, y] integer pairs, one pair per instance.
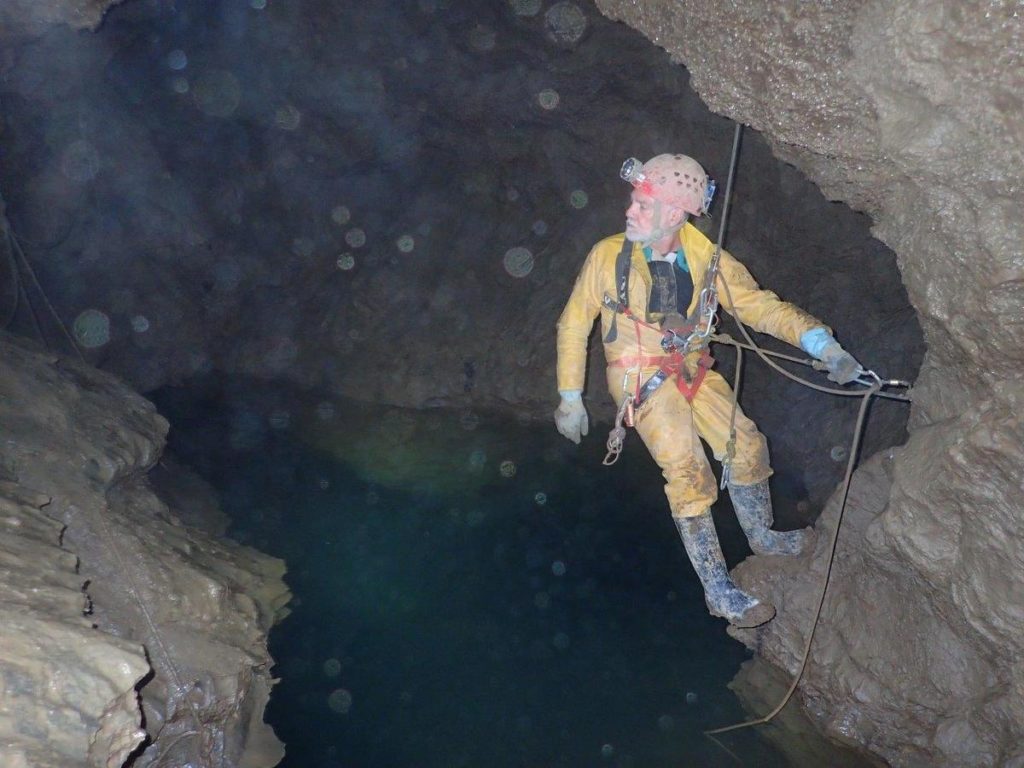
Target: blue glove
{"points": [[842, 366]]}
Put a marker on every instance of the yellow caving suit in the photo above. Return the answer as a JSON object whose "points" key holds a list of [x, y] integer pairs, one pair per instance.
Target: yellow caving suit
{"points": [[667, 423]]}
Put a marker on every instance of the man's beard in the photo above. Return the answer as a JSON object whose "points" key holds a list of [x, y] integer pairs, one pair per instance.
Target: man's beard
{"points": [[635, 235]]}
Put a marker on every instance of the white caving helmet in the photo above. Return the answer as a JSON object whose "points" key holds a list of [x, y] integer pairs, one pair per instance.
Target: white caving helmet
{"points": [[675, 180]]}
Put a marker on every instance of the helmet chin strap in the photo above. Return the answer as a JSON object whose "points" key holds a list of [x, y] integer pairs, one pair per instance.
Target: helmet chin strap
{"points": [[659, 232]]}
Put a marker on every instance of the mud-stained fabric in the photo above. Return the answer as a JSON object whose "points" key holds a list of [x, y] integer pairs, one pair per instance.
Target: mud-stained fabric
{"points": [[671, 427], [759, 309]]}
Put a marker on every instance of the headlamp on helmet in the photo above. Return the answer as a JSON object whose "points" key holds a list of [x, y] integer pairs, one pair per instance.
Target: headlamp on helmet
{"points": [[632, 171]]}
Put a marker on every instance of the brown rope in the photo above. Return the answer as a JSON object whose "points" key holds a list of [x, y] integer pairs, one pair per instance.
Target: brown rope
{"points": [[850, 464]]}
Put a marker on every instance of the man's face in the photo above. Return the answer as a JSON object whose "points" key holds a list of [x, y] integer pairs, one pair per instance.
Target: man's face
{"points": [[640, 216], [645, 215]]}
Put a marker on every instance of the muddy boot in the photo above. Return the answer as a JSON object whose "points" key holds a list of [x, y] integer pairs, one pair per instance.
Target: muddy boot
{"points": [[723, 597], [753, 505]]}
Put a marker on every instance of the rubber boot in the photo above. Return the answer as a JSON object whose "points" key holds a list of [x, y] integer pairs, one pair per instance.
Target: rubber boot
{"points": [[753, 505], [723, 597]]}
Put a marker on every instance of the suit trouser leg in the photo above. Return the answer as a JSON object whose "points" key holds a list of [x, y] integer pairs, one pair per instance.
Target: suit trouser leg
{"points": [[672, 429]]}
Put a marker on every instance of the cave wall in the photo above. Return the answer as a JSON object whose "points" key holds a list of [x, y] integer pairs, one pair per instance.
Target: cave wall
{"points": [[911, 113], [131, 627]]}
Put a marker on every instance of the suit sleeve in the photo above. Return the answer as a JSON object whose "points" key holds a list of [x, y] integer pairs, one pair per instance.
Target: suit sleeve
{"points": [[761, 309], [575, 323]]}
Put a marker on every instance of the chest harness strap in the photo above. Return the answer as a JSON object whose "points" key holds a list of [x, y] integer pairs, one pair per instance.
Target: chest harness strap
{"points": [[676, 342]]}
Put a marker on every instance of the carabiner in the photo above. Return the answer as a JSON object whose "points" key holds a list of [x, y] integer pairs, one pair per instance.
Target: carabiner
{"points": [[625, 377]]}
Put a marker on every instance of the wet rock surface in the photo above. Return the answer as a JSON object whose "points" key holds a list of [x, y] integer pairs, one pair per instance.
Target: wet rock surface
{"points": [[760, 686], [905, 112], [893, 664], [126, 632], [68, 690]]}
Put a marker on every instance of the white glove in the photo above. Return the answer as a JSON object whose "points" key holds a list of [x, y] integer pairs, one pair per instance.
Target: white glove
{"points": [[842, 366], [571, 417]]}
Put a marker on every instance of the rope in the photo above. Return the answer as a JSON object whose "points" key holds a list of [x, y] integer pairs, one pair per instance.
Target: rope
{"points": [[724, 338], [730, 446], [866, 395], [617, 437], [12, 267], [760, 353], [15, 253], [707, 306], [176, 679], [32, 273], [709, 296], [31, 312], [850, 464]]}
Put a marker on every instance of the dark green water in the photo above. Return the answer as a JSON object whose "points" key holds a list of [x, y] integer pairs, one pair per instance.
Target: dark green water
{"points": [[469, 591]]}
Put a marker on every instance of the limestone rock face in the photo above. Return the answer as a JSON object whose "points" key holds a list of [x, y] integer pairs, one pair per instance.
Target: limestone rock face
{"points": [[912, 113], [68, 691], [105, 585], [34, 16]]}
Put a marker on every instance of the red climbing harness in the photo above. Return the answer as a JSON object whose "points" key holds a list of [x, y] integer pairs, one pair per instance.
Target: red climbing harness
{"points": [[673, 364]]}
